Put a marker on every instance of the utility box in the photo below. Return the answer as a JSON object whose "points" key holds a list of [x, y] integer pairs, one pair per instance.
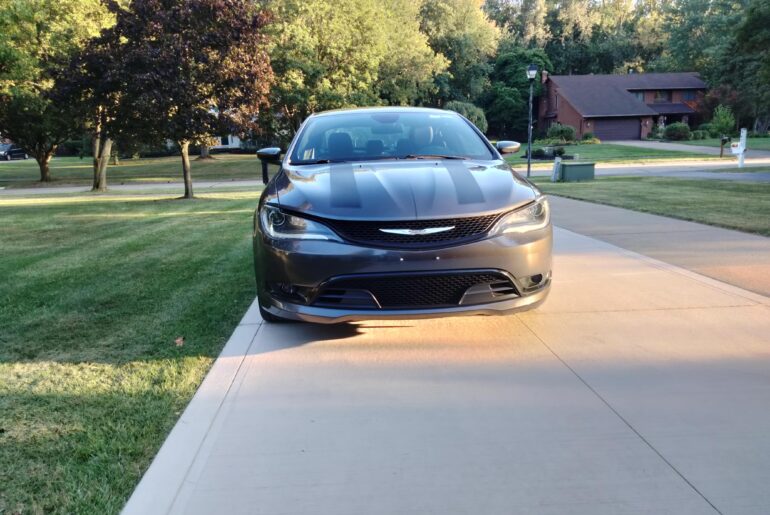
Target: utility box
{"points": [[571, 172]]}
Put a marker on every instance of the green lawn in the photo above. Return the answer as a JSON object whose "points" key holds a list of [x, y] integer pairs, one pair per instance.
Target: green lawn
{"points": [[753, 143], [76, 171], [734, 205], [94, 292], [609, 152]]}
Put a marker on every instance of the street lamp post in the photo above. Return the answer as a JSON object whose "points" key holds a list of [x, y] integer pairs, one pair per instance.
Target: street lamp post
{"points": [[531, 74]]}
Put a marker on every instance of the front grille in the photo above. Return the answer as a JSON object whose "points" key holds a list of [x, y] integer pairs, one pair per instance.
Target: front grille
{"points": [[399, 291], [368, 232]]}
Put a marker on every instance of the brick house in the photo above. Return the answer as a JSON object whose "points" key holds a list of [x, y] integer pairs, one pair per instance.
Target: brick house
{"points": [[618, 107]]}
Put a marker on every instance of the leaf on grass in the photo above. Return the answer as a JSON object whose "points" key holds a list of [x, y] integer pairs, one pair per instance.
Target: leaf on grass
{"points": [[179, 341]]}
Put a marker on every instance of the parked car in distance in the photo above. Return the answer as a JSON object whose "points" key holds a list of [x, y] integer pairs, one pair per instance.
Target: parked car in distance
{"points": [[9, 151], [397, 213]]}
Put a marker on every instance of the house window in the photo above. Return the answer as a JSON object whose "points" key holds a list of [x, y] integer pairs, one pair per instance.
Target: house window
{"points": [[225, 141], [639, 95], [662, 95], [688, 95]]}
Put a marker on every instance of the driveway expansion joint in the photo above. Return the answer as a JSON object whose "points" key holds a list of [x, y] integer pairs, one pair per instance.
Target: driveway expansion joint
{"points": [[619, 416]]}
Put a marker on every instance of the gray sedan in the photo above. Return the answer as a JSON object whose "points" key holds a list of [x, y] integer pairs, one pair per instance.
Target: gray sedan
{"points": [[397, 213]]}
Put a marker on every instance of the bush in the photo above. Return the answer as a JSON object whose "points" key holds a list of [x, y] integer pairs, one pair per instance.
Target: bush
{"points": [[549, 142], [699, 134], [677, 131], [563, 132], [588, 135], [559, 151], [538, 152], [708, 129], [473, 113], [723, 121]]}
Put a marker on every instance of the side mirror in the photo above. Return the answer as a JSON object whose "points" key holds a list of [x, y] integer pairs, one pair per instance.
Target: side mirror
{"points": [[507, 147], [269, 155]]}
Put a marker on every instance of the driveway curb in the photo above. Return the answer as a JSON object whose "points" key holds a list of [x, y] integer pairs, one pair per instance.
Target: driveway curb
{"points": [[171, 465]]}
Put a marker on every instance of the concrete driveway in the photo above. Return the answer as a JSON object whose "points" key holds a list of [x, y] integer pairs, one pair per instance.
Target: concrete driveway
{"points": [[639, 387]]}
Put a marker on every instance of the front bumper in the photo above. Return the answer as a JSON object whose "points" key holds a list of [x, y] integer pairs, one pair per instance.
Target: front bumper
{"points": [[309, 264]]}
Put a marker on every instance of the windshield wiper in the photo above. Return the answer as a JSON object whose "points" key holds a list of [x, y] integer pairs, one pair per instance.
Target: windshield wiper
{"points": [[319, 162], [431, 156]]}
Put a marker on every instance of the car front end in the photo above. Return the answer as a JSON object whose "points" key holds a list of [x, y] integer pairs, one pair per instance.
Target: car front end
{"points": [[344, 240]]}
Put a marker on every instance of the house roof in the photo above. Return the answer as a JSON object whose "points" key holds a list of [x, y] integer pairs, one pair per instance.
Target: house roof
{"points": [[609, 95]]}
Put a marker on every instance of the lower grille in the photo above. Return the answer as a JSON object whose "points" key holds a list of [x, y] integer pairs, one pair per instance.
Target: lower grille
{"points": [[399, 291]]}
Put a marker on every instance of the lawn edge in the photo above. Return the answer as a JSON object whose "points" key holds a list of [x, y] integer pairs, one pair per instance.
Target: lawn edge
{"points": [[163, 480], [657, 213]]}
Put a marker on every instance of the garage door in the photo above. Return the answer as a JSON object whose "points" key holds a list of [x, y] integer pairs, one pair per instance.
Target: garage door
{"points": [[617, 128]]}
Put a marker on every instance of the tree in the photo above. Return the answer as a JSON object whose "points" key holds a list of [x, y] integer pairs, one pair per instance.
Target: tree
{"points": [[473, 113], [407, 74], [37, 37], [723, 120], [190, 68], [507, 101], [326, 54], [460, 31]]}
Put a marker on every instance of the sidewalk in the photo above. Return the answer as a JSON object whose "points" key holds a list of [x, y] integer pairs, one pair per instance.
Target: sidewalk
{"points": [[733, 257], [667, 145]]}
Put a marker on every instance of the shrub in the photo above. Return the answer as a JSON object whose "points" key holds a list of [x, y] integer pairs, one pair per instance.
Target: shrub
{"points": [[656, 132], [699, 134], [708, 129], [564, 132], [549, 142], [677, 131], [590, 141], [559, 151], [723, 121], [588, 135], [473, 113], [538, 152]]}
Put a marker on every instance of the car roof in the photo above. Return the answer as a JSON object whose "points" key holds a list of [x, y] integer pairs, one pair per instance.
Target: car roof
{"points": [[385, 109]]}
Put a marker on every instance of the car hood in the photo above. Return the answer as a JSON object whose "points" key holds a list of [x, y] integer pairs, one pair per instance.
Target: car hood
{"points": [[393, 190]]}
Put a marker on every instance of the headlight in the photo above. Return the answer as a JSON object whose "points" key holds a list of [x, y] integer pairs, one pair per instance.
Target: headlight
{"points": [[283, 226], [529, 218]]}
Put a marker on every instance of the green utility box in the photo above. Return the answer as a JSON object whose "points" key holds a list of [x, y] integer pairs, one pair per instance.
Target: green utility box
{"points": [[571, 172]]}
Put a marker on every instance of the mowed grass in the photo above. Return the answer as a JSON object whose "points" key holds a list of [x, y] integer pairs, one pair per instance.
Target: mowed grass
{"points": [[95, 292], [610, 152], [752, 143], [742, 206], [76, 171]]}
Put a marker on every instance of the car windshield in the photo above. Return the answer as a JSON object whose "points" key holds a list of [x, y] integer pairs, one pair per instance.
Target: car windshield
{"points": [[5, 146], [370, 135]]}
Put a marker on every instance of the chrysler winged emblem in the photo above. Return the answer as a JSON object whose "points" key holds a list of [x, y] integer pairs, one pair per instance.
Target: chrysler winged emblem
{"points": [[418, 232]]}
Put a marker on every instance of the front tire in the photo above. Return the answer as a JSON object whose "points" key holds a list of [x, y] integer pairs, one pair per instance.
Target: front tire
{"points": [[8, 157]]}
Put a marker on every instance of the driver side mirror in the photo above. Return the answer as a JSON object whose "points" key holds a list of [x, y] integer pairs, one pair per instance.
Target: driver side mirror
{"points": [[507, 147], [269, 155]]}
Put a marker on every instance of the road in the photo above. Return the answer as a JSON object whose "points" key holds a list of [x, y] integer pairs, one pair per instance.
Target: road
{"points": [[639, 387]]}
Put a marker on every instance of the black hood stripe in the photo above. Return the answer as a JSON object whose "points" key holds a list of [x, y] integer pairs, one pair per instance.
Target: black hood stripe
{"points": [[465, 184], [344, 190]]}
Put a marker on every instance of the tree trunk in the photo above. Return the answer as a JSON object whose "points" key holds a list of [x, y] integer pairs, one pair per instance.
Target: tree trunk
{"points": [[44, 162], [100, 177], [205, 152], [188, 186], [115, 159], [96, 149]]}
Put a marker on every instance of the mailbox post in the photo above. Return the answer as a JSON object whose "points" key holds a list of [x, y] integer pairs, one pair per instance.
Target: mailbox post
{"points": [[739, 148]]}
